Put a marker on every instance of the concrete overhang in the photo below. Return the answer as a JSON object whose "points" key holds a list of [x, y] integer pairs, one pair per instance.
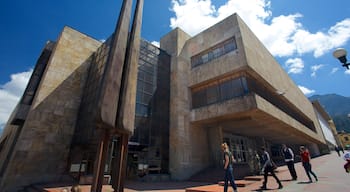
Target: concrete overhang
{"points": [[244, 116]]}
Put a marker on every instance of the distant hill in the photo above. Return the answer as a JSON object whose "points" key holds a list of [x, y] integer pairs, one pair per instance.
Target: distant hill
{"points": [[338, 107]]}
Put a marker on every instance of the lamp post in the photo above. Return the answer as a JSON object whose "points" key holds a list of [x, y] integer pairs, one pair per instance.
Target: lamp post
{"points": [[340, 54]]}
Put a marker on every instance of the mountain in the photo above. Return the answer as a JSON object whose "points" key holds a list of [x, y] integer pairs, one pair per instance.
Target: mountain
{"points": [[338, 107]]}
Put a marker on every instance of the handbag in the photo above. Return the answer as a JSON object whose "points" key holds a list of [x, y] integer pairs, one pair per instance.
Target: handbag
{"points": [[274, 166]]}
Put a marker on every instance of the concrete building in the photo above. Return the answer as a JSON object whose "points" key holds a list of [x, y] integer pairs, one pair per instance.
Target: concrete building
{"points": [[327, 126], [344, 140], [192, 94], [224, 87]]}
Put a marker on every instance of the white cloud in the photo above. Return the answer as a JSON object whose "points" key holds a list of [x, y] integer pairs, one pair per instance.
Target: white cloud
{"points": [[305, 90], [155, 43], [347, 71], [315, 68], [295, 65], [283, 35], [11, 92], [334, 69]]}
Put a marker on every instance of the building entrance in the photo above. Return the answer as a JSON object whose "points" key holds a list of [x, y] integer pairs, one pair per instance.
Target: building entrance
{"points": [[244, 150]]}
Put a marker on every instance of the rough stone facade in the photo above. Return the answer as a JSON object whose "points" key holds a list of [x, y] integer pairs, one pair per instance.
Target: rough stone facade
{"points": [[46, 134]]}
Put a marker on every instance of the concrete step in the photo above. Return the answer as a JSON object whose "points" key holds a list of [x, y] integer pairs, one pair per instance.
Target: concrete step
{"points": [[239, 183], [254, 178]]}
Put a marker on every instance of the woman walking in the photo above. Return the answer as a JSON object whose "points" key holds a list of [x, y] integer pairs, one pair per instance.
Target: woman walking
{"points": [[228, 160], [305, 158]]}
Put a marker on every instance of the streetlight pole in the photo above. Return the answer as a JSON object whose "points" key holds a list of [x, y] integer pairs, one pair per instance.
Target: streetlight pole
{"points": [[340, 54]]}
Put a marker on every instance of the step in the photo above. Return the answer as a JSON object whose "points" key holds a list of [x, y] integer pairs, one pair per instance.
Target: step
{"points": [[254, 178], [206, 188], [239, 183]]}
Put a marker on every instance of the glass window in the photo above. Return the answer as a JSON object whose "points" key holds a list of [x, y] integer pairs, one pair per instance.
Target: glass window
{"points": [[226, 90], [230, 46], [146, 98], [148, 77], [205, 58], [199, 98], [210, 56], [212, 94], [217, 52], [140, 85], [237, 88], [138, 96], [148, 88]]}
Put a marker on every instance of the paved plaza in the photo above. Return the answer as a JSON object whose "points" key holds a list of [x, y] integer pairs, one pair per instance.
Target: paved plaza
{"points": [[329, 169]]}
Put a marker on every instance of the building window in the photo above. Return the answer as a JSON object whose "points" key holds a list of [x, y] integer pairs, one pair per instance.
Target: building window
{"points": [[218, 92], [214, 52], [346, 138]]}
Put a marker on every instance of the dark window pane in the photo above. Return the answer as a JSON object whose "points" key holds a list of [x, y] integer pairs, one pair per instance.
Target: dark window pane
{"points": [[226, 90], [230, 46], [237, 87], [146, 98], [205, 58], [148, 88], [217, 52], [199, 98], [140, 85], [138, 96], [210, 56], [212, 94]]}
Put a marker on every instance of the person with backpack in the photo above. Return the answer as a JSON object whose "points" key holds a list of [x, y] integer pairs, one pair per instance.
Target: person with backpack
{"points": [[289, 160], [268, 168], [228, 161]]}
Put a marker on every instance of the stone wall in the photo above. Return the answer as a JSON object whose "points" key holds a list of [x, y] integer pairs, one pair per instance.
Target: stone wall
{"points": [[41, 151]]}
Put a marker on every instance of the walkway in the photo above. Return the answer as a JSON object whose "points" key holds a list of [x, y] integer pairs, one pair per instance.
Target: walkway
{"points": [[329, 169]]}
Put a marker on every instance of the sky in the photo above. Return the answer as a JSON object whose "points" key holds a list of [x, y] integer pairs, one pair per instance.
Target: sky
{"points": [[301, 35]]}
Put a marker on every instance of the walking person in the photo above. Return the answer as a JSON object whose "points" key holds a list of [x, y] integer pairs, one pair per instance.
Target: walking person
{"points": [[268, 168], [336, 148], [228, 160], [289, 159], [305, 158]]}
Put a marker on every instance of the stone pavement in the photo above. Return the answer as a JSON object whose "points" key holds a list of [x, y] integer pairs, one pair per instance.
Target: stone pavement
{"points": [[329, 169]]}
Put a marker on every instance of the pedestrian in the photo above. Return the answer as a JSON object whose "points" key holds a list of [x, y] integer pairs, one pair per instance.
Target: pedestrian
{"points": [[336, 148], [75, 188], [341, 149], [228, 160], [347, 164], [305, 158], [289, 160], [268, 168]]}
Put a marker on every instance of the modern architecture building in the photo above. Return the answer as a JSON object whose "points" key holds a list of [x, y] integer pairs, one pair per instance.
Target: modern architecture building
{"points": [[193, 93], [327, 126], [344, 140]]}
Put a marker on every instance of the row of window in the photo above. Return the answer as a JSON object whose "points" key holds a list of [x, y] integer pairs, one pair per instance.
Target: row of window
{"points": [[219, 92], [214, 52]]}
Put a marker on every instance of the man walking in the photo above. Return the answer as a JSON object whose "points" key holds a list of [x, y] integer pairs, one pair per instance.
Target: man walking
{"points": [[267, 168], [289, 159]]}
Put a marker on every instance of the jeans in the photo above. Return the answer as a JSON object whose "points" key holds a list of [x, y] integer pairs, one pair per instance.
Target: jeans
{"points": [[291, 168], [269, 169], [307, 167], [229, 177]]}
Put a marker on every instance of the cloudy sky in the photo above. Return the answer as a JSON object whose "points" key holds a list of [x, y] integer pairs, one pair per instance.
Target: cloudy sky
{"points": [[300, 34]]}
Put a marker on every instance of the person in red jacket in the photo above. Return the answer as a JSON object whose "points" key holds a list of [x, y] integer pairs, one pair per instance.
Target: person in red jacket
{"points": [[305, 158]]}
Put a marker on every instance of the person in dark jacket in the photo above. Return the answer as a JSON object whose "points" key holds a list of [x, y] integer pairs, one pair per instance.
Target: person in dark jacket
{"points": [[268, 168], [289, 160]]}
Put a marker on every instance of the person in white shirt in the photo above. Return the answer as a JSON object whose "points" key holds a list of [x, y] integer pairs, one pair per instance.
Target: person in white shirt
{"points": [[289, 159]]}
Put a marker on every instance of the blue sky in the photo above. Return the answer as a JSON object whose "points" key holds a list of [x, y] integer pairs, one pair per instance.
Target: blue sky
{"points": [[300, 34]]}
